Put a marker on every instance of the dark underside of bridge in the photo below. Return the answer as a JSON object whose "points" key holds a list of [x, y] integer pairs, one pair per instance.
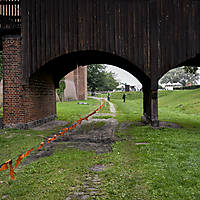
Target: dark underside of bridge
{"points": [[44, 40]]}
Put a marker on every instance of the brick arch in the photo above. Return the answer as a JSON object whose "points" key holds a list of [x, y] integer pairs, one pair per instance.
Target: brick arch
{"points": [[30, 104], [64, 64], [61, 65]]}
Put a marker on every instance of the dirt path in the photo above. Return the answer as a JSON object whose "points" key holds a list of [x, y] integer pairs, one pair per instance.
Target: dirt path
{"points": [[93, 135]]}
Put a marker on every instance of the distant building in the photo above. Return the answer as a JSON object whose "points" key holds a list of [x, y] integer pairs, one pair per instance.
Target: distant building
{"points": [[171, 86], [76, 84], [127, 88]]}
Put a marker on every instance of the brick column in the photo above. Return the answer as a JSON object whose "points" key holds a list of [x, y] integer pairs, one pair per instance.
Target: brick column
{"points": [[25, 106], [80, 80], [13, 110]]}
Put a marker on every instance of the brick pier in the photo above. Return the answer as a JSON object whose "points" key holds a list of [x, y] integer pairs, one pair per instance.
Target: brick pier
{"points": [[24, 105]]}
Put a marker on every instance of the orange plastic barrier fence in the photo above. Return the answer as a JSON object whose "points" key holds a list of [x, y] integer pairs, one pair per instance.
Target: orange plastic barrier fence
{"points": [[8, 163]]}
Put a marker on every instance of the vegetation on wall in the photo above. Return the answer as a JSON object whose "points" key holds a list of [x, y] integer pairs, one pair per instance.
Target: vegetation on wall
{"points": [[60, 90]]}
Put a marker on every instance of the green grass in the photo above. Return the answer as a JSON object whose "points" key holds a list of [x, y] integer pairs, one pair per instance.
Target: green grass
{"points": [[182, 107], [129, 95], [102, 117], [167, 167], [71, 111], [105, 108], [50, 177]]}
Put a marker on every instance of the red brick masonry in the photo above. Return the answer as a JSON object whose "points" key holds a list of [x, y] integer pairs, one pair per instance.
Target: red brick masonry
{"points": [[24, 106], [76, 84]]}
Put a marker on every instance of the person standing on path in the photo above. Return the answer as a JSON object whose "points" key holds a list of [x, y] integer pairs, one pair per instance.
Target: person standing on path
{"points": [[124, 97], [108, 96]]}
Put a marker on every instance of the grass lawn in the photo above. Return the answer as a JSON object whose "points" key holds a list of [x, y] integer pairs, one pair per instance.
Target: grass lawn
{"points": [[72, 111], [168, 165], [156, 164]]}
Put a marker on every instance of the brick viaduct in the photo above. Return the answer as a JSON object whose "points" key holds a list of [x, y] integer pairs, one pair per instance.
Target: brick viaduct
{"points": [[50, 38]]}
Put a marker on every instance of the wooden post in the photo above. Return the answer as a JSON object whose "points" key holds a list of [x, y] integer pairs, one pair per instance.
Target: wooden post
{"points": [[146, 104], [154, 108], [150, 106]]}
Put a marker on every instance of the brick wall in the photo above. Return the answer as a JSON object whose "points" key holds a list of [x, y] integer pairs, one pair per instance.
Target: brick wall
{"points": [[80, 80], [76, 84], [24, 106], [70, 88]]}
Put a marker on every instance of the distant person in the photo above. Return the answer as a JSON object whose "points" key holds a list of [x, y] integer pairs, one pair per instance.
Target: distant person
{"points": [[108, 96], [124, 97]]}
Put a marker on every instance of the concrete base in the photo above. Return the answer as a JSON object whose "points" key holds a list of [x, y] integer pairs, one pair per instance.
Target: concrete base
{"points": [[32, 124]]}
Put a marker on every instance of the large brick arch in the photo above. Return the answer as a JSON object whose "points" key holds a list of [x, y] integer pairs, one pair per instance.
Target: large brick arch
{"points": [[64, 64], [30, 104], [150, 36]]}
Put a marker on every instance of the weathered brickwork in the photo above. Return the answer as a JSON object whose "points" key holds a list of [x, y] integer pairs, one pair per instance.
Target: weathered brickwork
{"points": [[76, 84], [80, 79], [24, 106]]}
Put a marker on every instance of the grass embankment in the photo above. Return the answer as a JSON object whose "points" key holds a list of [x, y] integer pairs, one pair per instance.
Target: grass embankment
{"points": [[164, 167], [167, 166]]}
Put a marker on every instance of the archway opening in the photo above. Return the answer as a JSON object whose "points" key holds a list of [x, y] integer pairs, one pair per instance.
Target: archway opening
{"points": [[122, 83], [59, 67], [179, 94]]}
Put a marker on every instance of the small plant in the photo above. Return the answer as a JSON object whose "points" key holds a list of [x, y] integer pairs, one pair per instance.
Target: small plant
{"points": [[102, 117]]}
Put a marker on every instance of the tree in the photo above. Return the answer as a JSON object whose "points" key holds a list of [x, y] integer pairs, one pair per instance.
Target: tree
{"points": [[180, 75], [99, 79], [191, 69], [60, 90]]}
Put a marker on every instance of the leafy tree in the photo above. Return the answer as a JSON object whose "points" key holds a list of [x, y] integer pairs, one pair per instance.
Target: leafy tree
{"points": [[1, 66], [110, 83], [180, 75], [60, 90], [191, 69], [99, 79]]}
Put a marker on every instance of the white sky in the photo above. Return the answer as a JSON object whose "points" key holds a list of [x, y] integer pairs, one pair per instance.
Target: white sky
{"points": [[124, 76]]}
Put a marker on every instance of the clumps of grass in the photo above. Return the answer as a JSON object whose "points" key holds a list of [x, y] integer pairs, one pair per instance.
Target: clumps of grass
{"points": [[105, 108], [94, 125], [129, 95], [103, 117]]}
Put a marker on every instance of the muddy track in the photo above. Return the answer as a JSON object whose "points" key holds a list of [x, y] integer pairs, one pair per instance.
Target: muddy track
{"points": [[93, 135]]}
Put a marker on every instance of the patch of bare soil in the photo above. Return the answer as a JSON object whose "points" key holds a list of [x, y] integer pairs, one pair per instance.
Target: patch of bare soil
{"points": [[168, 125], [49, 125], [94, 135]]}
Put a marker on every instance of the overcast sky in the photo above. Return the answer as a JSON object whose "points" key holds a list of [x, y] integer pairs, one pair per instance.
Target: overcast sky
{"points": [[124, 76]]}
